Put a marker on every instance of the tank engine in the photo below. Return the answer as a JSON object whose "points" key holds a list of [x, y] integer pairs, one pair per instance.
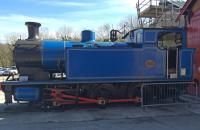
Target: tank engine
{"points": [[97, 71]]}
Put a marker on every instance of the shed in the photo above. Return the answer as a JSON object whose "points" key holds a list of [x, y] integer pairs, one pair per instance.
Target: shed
{"points": [[191, 13]]}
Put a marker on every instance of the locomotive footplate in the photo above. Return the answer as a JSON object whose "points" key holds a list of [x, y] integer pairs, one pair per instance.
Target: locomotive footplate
{"points": [[60, 98]]}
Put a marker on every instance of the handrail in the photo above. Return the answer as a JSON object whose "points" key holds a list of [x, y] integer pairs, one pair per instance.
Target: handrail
{"points": [[144, 3]]}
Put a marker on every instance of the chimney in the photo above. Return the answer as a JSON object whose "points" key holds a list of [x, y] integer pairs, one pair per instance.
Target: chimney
{"points": [[33, 30]]}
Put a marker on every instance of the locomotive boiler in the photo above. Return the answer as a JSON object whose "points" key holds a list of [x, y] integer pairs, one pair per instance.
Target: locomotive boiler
{"points": [[97, 72]]}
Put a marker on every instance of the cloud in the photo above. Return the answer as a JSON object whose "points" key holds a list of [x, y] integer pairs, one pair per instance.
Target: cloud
{"points": [[62, 3], [107, 10], [86, 14], [14, 23], [66, 3], [2, 39], [23, 18], [91, 3], [120, 3]]}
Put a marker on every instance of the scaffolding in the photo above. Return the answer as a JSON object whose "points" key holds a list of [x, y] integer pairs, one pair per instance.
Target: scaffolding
{"points": [[158, 13]]}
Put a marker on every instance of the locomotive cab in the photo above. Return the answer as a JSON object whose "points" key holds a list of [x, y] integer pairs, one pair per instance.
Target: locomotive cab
{"points": [[171, 42]]}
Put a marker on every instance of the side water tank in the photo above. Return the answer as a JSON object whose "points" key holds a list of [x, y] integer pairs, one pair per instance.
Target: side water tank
{"points": [[88, 36]]}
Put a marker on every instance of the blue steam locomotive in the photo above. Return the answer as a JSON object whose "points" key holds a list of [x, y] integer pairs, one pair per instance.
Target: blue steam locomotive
{"points": [[69, 72]]}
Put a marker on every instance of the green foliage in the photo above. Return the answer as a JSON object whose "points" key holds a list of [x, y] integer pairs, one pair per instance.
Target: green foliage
{"points": [[6, 58]]}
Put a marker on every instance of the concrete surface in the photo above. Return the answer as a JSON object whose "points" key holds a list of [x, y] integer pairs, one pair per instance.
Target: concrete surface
{"points": [[114, 117]]}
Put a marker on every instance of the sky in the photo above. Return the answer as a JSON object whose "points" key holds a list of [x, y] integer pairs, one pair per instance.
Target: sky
{"points": [[78, 14]]}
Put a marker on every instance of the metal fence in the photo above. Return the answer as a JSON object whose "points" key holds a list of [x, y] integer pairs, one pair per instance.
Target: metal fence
{"points": [[153, 94]]}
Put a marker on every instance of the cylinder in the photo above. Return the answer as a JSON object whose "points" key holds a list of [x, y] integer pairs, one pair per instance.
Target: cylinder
{"points": [[88, 36]]}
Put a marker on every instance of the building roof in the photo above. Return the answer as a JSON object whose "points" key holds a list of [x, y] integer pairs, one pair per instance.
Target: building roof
{"points": [[188, 5]]}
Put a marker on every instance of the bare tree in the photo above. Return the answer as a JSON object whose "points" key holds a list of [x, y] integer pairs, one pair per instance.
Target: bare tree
{"points": [[76, 36], [132, 22], [44, 33], [103, 32], [11, 38], [64, 33], [127, 24]]}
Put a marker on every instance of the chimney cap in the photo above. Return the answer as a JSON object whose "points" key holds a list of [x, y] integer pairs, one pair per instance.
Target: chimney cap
{"points": [[33, 23]]}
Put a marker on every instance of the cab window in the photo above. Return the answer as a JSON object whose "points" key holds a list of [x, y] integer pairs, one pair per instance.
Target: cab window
{"points": [[168, 40]]}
